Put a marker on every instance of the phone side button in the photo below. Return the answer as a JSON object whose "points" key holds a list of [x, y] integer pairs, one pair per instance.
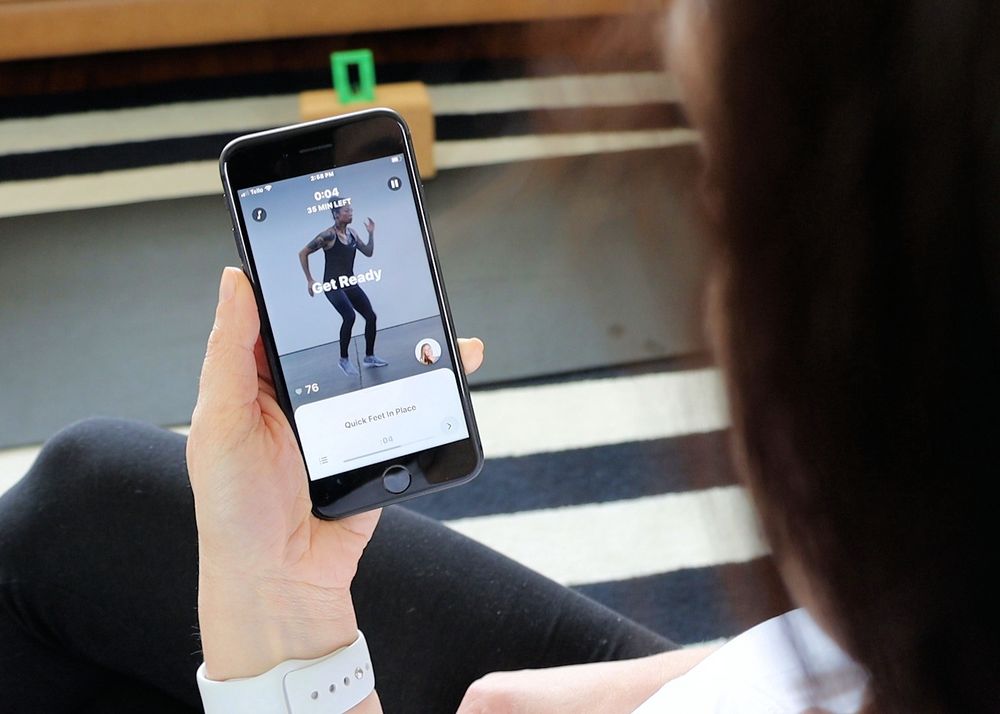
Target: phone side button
{"points": [[239, 248], [396, 479]]}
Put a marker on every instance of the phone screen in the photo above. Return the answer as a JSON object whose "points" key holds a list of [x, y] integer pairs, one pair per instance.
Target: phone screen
{"points": [[347, 282]]}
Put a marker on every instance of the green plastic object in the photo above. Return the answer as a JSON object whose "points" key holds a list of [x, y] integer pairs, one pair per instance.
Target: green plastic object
{"points": [[340, 63]]}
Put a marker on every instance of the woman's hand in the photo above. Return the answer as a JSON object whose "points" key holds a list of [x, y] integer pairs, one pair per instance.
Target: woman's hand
{"points": [[370, 225], [597, 688], [274, 581]]}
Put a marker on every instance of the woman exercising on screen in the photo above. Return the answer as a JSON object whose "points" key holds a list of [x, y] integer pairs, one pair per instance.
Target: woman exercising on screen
{"points": [[340, 244]]}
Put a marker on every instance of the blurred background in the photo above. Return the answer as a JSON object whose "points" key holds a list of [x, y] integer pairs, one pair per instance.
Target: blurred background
{"points": [[560, 180]]}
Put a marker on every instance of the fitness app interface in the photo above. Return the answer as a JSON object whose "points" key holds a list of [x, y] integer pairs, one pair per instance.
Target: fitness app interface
{"points": [[361, 342]]}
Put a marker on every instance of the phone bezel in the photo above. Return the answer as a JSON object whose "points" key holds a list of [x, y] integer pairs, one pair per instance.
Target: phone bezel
{"points": [[301, 149]]}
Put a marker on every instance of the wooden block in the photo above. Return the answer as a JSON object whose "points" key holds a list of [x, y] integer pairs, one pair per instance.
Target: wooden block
{"points": [[410, 99]]}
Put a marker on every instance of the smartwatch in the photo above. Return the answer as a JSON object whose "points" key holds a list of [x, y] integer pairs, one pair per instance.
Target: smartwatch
{"points": [[331, 684]]}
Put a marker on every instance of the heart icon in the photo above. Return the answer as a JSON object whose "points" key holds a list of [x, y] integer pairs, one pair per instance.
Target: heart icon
{"points": [[299, 390]]}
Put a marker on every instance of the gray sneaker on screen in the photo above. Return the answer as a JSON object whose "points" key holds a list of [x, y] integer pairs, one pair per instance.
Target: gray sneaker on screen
{"points": [[349, 369]]}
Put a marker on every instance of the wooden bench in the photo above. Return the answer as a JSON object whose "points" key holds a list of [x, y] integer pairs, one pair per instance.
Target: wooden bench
{"points": [[52, 28]]}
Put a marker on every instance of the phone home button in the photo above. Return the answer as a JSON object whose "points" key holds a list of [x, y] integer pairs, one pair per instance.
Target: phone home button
{"points": [[396, 479]]}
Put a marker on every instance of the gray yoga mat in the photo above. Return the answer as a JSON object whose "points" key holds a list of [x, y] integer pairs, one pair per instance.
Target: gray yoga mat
{"points": [[558, 264]]}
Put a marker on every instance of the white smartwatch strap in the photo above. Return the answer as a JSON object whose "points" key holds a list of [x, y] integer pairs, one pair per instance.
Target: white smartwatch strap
{"points": [[328, 685]]}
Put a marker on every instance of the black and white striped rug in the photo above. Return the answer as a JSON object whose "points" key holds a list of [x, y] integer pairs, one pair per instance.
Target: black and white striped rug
{"points": [[616, 484]]}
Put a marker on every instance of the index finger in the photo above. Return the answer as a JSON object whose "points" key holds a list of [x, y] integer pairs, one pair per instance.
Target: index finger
{"points": [[473, 352]]}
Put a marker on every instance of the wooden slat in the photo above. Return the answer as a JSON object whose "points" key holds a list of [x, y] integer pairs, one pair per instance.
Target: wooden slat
{"points": [[46, 28]]}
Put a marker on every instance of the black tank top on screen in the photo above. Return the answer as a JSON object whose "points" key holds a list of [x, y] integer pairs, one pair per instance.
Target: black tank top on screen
{"points": [[340, 257]]}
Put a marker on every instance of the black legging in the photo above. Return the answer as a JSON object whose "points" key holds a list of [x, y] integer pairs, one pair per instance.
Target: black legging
{"points": [[347, 300], [98, 591]]}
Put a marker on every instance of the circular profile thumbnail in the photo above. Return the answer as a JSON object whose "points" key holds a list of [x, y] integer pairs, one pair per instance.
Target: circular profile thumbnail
{"points": [[428, 351]]}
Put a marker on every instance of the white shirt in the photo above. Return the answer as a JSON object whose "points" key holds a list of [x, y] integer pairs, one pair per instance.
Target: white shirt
{"points": [[782, 666]]}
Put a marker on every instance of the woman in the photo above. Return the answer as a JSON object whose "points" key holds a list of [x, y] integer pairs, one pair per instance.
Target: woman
{"points": [[852, 175], [427, 355], [340, 245]]}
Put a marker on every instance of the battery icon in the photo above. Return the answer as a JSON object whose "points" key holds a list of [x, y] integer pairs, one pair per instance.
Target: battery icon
{"points": [[396, 159]]}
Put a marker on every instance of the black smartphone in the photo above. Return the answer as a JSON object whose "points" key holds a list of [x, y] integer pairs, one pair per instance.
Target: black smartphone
{"points": [[331, 228]]}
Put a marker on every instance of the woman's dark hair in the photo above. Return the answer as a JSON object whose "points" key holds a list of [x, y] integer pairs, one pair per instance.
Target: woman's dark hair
{"points": [[339, 204], [856, 150]]}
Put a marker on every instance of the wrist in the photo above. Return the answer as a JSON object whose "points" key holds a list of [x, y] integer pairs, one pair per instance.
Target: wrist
{"points": [[247, 628], [340, 681]]}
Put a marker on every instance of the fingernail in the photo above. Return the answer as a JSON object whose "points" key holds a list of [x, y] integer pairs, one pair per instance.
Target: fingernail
{"points": [[227, 286]]}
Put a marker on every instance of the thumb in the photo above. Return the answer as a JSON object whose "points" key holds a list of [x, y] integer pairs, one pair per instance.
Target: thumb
{"points": [[227, 392]]}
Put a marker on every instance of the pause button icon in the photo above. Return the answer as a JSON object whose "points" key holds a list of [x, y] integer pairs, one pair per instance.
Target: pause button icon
{"points": [[395, 183]]}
